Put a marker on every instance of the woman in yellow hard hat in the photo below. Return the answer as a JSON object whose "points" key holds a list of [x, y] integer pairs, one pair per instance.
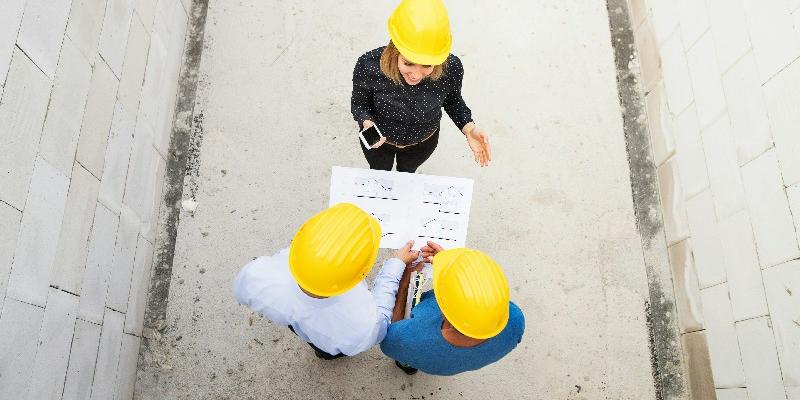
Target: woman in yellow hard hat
{"points": [[316, 287], [465, 323], [401, 89]]}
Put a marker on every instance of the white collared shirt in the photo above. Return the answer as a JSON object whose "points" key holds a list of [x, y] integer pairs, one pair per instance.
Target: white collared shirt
{"points": [[348, 323]]}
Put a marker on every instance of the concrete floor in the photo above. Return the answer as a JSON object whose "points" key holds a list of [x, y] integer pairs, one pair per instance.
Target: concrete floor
{"points": [[554, 208]]}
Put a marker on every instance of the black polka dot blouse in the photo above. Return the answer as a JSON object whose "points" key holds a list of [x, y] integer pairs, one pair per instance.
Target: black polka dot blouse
{"points": [[407, 114]]}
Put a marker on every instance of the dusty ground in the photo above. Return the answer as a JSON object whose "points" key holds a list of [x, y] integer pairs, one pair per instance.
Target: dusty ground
{"points": [[554, 208]]}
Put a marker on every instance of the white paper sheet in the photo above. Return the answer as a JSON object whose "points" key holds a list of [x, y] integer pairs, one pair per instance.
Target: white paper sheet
{"points": [[408, 206]]}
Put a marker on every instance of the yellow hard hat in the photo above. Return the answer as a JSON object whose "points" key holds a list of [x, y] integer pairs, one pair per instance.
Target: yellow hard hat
{"points": [[334, 250], [420, 29], [471, 291]]}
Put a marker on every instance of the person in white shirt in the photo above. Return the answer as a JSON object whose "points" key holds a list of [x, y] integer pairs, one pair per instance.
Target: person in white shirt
{"points": [[316, 287]]}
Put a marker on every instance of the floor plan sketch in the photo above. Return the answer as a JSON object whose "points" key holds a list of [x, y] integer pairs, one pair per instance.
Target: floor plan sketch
{"points": [[408, 206]]}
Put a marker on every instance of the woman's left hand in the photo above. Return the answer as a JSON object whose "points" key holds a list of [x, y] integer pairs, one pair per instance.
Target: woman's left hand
{"points": [[478, 142]]}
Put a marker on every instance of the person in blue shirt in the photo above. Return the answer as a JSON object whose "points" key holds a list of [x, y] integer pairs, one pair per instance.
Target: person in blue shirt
{"points": [[465, 323]]}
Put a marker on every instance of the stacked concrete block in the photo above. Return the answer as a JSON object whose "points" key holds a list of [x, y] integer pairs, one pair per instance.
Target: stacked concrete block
{"points": [[730, 74], [80, 187]]}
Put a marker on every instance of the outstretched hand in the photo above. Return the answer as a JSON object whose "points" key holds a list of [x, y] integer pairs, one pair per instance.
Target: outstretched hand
{"points": [[430, 250], [405, 253], [478, 142]]}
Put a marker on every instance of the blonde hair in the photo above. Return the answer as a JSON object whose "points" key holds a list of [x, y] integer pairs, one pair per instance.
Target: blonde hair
{"points": [[390, 68]]}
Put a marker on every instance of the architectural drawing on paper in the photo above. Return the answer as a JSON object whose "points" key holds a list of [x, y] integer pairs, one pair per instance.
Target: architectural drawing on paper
{"points": [[374, 188], [439, 229], [449, 198]]}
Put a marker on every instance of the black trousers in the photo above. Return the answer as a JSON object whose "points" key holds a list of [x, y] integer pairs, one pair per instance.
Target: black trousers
{"points": [[408, 158], [320, 353]]}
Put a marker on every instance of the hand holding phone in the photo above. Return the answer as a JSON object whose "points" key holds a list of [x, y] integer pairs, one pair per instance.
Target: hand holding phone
{"points": [[371, 136]]}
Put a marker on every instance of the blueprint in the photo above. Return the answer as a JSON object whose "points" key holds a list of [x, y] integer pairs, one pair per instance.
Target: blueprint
{"points": [[408, 206]]}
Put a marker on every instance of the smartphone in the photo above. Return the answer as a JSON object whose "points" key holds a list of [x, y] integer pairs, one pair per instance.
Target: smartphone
{"points": [[370, 136]]}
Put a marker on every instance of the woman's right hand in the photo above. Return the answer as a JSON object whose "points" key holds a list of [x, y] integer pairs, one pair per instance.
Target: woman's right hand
{"points": [[369, 124]]}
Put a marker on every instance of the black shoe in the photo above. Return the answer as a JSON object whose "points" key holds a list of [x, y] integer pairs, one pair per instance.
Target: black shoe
{"points": [[407, 369]]}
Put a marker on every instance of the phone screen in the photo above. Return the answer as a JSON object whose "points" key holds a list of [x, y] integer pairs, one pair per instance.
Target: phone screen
{"points": [[371, 135]]}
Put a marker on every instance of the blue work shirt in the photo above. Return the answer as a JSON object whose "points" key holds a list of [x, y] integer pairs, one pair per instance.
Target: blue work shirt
{"points": [[418, 341]]}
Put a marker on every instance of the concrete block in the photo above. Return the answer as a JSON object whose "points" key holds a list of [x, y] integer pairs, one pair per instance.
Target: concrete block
{"points": [[118, 153], [706, 80], [98, 265], [676, 226], [664, 14], [687, 288], [130, 84], [154, 80], [706, 245], [10, 19], [732, 394], [126, 370], [689, 153], [85, 23], [782, 98], [726, 361], [19, 333], [760, 359], [746, 109], [38, 236], [55, 338], [97, 120], [793, 194], [80, 372], [139, 286], [775, 43], [769, 211], [65, 113], [782, 284], [693, 20], [698, 365], [146, 10], [142, 179], [22, 111], [662, 134], [120, 275], [677, 81], [75, 230], [723, 169], [741, 265], [649, 60], [42, 32], [727, 20], [9, 231], [114, 36], [105, 372]]}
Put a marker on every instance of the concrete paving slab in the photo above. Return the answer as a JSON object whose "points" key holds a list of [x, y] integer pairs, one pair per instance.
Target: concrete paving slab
{"points": [[275, 118], [98, 265], [55, 338], [35, 254], [42, 32], [9, 27], [24, 105], [75, 229], [140, 282], [65, 111], [9, 232], [126, 369], [105, 372], [83, 354], [97, 120], [130, 83], [85, 23], [118, 154], [119, 281], [782, 283], [114, 36], [760, 359], [19, 333]]}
